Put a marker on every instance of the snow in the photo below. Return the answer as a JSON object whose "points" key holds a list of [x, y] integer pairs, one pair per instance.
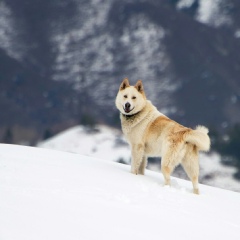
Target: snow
{"points": [[145, 42], [217, 174], [109, 144], [100, 142], [76, 45], [237, 33], [184, 3], [9, 40], [48, 194], [213, 13], [85, 51]]}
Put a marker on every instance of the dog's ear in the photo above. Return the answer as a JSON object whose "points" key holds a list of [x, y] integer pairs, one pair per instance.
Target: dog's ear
{"points": [[139, 86], [124, 84]]}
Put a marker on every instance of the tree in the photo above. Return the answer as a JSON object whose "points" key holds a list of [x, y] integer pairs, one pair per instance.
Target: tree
{"points": [[47, 134], [8, 136], [230, 148], [88, 120]]}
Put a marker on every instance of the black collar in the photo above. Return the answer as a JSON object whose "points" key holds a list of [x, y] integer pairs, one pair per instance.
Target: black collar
{"points": [[130, 116]]}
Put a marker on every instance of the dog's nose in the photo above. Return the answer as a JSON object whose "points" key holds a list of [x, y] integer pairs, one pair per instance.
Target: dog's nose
{"points": [[127, 105]]}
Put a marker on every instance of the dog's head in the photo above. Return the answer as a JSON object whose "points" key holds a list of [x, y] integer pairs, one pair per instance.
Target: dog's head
{"points": [[130, 99]]}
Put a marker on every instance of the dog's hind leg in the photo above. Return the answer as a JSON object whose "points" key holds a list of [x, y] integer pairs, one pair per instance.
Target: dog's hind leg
{"points": [[191, 167], [170, 159], [167, 168], [166, 171]]}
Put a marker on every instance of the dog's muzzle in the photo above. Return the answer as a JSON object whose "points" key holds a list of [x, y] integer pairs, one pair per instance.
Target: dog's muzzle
{"points": [[127, 107]]}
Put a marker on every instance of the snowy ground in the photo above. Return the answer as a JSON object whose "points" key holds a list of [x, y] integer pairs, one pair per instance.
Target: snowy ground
{"points": [[47, 194], [109, 144], [101, 142]]}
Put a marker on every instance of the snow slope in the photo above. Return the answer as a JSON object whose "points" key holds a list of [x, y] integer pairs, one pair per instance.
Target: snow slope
{"points": [[48, 194], [94, 142], [109, 144]]}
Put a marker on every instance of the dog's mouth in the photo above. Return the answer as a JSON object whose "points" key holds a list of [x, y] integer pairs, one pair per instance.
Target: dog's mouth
{"points": [[127, 109]]}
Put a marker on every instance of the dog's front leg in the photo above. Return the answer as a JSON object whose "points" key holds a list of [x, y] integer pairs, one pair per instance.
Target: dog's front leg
{"points": [[137, 157]]}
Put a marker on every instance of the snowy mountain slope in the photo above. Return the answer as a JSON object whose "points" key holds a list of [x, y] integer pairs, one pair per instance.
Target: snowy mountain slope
{"points": [[83, 57], [214, 13], [47, 194], [101, 142], [9, 33], [109, 144]]}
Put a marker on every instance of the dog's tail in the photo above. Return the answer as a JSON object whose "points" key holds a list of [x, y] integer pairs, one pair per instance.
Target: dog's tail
{"points": [[200, 138]]}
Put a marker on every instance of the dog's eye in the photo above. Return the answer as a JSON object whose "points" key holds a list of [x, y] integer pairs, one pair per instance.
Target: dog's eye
{"points": [[133, 97], [125, 96]]}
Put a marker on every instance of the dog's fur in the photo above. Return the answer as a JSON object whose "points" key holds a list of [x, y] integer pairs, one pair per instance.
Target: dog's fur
{"points": [[152, 134]]}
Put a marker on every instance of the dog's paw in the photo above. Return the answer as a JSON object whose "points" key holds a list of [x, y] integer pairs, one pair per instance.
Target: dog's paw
{"points": [[135, 172], [196, 191], [167, 182]]}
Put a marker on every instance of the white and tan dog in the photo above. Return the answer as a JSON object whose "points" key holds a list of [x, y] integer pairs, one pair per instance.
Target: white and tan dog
{"points": [[152, 134]]}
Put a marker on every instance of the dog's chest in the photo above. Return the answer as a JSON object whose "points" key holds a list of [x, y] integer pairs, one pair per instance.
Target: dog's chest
{"points": [[135, 132], [141, 133]]}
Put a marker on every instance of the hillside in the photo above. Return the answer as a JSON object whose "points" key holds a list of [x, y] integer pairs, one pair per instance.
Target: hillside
{"points": [[109, 144], [62, 61], [48, 194]]}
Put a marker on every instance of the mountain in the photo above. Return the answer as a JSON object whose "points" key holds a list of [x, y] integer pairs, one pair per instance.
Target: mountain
{"points": [[100, 142], [48, 194], [108, 143], [62, 61]]}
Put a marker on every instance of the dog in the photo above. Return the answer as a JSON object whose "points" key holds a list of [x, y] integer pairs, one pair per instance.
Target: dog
{"points": [[152, 134]]}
